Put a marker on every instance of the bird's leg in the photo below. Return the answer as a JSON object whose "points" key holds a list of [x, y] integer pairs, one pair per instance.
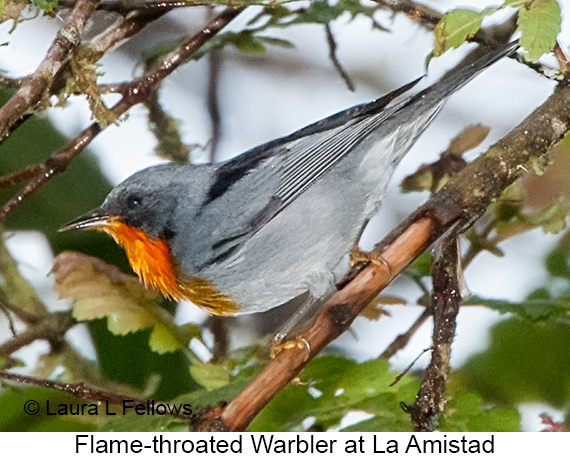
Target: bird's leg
{"points": [[279, 342], [356, 255]]}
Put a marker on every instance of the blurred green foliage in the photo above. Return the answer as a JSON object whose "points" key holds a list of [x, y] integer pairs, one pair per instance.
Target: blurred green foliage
{"points": [[526, 360]]}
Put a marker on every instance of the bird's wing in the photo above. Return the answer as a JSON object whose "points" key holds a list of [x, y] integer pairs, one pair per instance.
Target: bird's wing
{"points": [[264, 181], [284, 168], [318, 138]]}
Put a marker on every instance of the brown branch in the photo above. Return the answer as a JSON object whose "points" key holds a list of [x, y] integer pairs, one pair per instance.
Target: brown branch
{"points": [[135, 92], [32, 88], [329, 323], [464, 198], [126, 6], [446, 297], [85, 392], [50, 327], [123, 28], [415, 11]]}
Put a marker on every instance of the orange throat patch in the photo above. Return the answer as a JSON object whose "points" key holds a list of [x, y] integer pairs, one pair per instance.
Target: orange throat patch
{"points": [[153, 263]]}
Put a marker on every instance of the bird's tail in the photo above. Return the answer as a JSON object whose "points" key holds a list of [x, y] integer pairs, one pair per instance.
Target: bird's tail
{"points": [[445, 87]]}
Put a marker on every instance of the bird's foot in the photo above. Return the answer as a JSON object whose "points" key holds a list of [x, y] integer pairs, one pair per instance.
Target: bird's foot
{"points": [[358, 256], [279, 344]]}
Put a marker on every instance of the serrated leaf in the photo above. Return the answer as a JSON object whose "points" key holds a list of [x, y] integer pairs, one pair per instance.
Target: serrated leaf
{"points": [[100, 290], [539, 24], [454, 28], [211, 375]]}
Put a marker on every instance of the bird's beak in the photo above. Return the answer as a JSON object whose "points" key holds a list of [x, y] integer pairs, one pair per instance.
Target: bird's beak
{"points": [[93, 220]]}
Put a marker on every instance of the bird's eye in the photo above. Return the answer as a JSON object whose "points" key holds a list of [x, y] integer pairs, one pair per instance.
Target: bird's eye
{"points": [[134, 201]]}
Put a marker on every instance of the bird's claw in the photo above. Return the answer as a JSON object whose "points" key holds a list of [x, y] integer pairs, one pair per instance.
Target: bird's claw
{"points": [[356, 256], [278, 345]]}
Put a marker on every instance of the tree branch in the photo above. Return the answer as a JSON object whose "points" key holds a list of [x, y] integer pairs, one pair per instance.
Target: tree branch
{"points": [[445, 305], [135, 92], [50, 327], [85, 392], [126, 6], [32, 88]]}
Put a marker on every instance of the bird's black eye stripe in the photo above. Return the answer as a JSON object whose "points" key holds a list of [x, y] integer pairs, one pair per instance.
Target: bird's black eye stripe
{"points": [[134, 201]]}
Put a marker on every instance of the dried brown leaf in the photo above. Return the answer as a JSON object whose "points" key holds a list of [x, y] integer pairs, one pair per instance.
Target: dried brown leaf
{"points": [[470, 137], [100, 290]]}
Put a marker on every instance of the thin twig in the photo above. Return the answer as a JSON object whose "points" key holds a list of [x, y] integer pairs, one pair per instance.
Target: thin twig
{"points": [[9, 318], [334, 58], [123, 28], [32, 88], [214, 65], [402, 340], [85, 392], [408, 368]]}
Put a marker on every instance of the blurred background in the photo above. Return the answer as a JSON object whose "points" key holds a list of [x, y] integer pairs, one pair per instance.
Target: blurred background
{"points": [[263, 96]]}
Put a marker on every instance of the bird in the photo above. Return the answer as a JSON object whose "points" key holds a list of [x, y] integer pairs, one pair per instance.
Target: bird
{"points": [[272, 224]]}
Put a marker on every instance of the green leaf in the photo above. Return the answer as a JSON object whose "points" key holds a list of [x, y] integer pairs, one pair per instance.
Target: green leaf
{"points": [[420, 267], [276, 42], [539, 24], [129, 360], [46, 5], [13, 418], [525, 362], [454, 28], [319, 12], [211, 375], [466, 412], [162, 340], [333, 387], [144, 423], [101, 290], [205, 397], [247, 42], [533, 309]]}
